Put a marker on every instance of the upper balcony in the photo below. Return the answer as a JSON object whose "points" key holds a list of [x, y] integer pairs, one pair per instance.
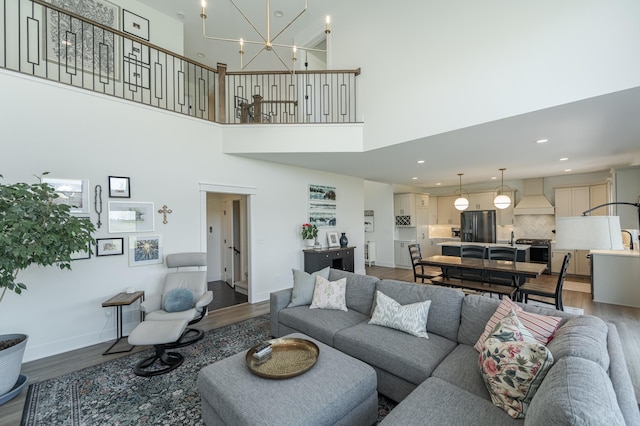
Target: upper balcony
{"points": [[45, 41]]}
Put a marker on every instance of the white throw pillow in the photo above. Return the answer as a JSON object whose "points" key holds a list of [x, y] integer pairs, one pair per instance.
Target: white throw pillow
{"points": [[329, 294], [410, 318]]}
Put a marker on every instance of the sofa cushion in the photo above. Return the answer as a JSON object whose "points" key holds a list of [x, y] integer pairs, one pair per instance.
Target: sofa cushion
{"points": [[178, 300], [576, 391], [303, 285], [541, 327], [320, 324], [460, 368], [446, 304], [329, 294], [584, 337], [361, 290], [436, 402], [401, 354], [411, 318], [476, 311]]}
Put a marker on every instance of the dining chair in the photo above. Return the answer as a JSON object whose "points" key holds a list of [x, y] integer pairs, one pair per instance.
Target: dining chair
{"points": [[542, 291], [501, 253], [418, 268], [476, 252]]}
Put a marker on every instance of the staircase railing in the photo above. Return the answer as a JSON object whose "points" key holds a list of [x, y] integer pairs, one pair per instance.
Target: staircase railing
{"points": [[43, 40]]}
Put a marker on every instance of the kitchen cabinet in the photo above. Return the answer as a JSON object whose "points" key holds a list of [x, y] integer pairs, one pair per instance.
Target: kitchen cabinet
{"points": [[572, 201], [582, 263], [481, 201], [597, 197], [505, 216], [405, 205], [579, 265], [447, 213], [402, 258]]}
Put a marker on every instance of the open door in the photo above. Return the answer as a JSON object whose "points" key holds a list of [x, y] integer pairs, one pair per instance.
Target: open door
{"points": [[228, 247]]}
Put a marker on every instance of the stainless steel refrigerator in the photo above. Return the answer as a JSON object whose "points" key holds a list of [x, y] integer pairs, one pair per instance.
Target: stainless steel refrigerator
{"points": [[478, 226]]}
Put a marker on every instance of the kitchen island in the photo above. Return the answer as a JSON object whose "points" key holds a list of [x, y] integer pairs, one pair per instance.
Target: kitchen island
{"points": [[615, 277], [452, 248]]}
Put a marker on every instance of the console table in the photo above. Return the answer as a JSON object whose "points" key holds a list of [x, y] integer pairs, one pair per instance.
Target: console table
{"points": [[336, 258]]}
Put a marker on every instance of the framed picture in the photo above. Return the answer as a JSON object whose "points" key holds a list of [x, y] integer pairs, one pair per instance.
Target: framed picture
{"points": [[135, 24], [322, 214], [368, 221], [119, 187], [130, 217], [80, 47], [145, 250], [332, 239], [109, 246], [82, 254], [322, 193], [72, 192]]}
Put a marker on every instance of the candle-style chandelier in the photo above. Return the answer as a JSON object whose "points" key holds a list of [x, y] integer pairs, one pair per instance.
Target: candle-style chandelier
{"points": [[268, 43]]}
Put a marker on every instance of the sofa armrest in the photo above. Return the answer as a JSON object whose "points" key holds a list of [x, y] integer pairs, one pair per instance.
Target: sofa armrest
{"points": [[151, 304], [620, 378], [204, 300], [278, 301]]}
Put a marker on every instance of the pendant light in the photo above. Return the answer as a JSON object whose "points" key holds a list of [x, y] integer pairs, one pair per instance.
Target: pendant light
{"points": [[502, 201], [461, 203]]}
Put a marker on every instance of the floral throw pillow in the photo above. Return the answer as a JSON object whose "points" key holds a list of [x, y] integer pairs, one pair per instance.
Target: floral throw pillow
{"points": [[329, 294], [513, 370], [411, 318]]}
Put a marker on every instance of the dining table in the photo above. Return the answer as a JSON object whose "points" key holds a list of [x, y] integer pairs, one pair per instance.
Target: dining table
{"points": [[519, 271]]}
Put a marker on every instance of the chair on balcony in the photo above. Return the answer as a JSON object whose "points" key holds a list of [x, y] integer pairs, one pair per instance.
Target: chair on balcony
{"points": [[418, 268], [546, 292]]}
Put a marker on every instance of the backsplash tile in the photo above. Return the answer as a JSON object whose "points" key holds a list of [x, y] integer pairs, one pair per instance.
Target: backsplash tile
{"points": [[535, 226]]}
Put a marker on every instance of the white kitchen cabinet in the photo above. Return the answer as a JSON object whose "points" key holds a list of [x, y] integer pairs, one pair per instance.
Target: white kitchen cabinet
{"points": [[557, 257], [505, 216], [597, 197], [404, 208], [582, 263], [402, 258], [572, 201], [447, 213], [481, 201]]}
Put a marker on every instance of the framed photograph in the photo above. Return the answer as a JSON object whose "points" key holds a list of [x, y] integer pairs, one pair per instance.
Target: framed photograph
{"points": [[72, 192], [332, 239], [82, 254], [145, 250], [368, 221], [322, 193], [119, 187], [130, 217], [135, 25], [109, 246], [79, 47]]}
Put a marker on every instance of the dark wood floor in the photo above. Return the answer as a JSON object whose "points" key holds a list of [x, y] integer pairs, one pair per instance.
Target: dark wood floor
{"points": [[224, 296]]}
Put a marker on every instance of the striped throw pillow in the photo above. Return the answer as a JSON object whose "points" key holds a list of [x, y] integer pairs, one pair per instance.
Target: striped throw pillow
{"points": [[541, 327]]}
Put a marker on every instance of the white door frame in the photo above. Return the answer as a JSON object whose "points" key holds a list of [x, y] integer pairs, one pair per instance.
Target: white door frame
{"points": [[249, 192]]}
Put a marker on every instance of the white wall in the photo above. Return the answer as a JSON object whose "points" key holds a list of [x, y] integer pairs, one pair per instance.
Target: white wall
{"points": [[379, 198], [628, 191], [453, 64], [75, 134]]}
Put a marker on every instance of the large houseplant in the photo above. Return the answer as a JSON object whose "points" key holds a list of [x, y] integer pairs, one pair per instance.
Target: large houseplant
{"points": [[34, 230]]}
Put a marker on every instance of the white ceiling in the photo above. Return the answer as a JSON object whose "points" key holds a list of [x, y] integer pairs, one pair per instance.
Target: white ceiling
{"points": [[594, 134]]}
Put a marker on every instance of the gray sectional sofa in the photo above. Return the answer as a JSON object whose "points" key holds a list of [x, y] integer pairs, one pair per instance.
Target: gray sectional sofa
{"points": [[437, 380]]}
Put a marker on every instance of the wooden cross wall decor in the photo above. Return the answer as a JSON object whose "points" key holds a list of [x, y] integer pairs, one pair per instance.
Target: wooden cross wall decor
{"points": [[165, 211]]}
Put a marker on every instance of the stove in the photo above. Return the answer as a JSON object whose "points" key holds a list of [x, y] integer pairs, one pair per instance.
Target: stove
{"points": [[540, 251]]}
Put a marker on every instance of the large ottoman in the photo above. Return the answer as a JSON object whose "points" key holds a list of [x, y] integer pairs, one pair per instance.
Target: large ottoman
{"points": [[338, 390]]}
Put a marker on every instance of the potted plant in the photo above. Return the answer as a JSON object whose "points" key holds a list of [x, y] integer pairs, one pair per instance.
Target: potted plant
{"points": [[309, 234], [34, 230]]}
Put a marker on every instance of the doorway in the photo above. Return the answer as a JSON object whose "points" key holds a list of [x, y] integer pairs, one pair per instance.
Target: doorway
{"points": [[226, 240]]}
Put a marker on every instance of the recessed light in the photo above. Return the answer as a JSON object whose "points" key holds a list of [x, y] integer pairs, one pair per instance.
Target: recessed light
{"points": [[439, 183], [567, 170], [420, 161], [278, 14], [564, 158], [542, 140], [494, 177], [200, 55], [415, 178]]}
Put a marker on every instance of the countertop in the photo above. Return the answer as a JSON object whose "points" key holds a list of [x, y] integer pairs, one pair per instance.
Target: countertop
{"points": [[626, 253], [458, 244]]}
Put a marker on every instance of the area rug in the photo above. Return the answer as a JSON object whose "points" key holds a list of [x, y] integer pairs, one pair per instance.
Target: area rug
{"points": [[110, 394]]}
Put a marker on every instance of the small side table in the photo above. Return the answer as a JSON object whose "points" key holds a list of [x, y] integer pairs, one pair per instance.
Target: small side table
{"points": [[118, 301]]}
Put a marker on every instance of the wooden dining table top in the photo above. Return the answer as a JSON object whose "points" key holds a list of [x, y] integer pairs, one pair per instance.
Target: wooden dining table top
{"points": [[525, 269]]}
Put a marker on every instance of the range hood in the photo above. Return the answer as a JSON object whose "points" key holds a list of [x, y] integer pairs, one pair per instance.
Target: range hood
{"points": [[533, 201]]}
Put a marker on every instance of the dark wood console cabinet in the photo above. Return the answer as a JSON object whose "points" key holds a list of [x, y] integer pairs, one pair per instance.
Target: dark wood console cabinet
{"points": [[336, 258]]}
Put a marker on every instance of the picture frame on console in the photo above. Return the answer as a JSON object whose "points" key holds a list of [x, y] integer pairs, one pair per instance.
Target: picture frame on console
{"points": [[332, 239]]}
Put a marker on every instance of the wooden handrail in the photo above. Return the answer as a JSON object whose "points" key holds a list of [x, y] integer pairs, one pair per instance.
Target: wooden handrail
{"points": [[284, 72]]}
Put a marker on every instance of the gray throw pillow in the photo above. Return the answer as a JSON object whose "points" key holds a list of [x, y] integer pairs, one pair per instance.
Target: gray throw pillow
{"points": [[178, 300], [303, 285]]}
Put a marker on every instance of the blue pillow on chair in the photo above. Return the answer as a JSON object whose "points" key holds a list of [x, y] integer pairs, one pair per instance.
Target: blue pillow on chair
{"points": [[178, 300]]}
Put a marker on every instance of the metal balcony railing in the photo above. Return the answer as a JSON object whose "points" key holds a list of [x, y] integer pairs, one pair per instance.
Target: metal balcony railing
{"points": [[86, 49]]}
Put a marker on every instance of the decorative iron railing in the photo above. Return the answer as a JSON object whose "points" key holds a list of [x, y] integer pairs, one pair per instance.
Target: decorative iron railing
{"points": [[85, 49]]}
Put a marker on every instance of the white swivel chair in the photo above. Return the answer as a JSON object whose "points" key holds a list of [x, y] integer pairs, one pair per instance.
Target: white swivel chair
{"points": [[164, 307]]}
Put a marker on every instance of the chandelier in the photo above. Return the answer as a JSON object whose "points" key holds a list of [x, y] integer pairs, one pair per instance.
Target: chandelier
{"points": [[502, 200], [461, 203], [268, 43]]}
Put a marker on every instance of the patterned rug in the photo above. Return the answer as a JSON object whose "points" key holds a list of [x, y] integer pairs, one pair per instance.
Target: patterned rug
{"points": [[110, 394]]}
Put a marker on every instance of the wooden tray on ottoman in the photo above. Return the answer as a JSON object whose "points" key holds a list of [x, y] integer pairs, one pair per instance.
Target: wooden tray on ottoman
{"points": [[290, 357]]}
